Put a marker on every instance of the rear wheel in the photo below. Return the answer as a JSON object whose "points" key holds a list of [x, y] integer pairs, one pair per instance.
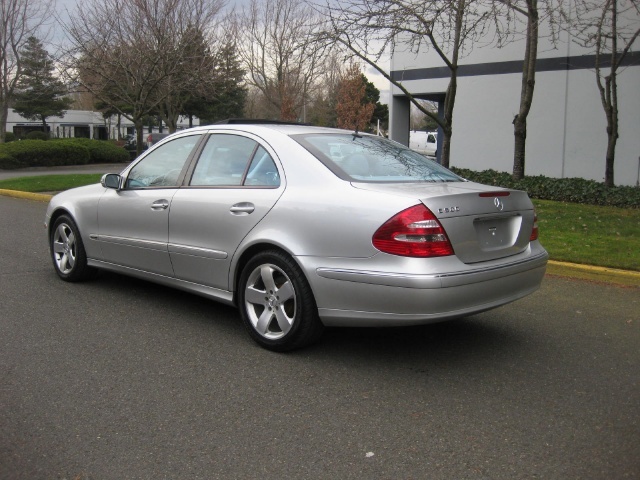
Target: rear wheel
{"points": [[276, 303], [67, 251]]}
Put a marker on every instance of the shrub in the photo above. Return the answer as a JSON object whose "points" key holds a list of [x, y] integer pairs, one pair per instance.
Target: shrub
{"points": [[101, 151], [9, 137], [7, 162], [576, 190], [36, 153], [37, 136]]}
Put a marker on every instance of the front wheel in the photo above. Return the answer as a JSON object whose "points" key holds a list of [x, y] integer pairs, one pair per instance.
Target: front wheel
{"points": [[276, 303], [67, 251]]}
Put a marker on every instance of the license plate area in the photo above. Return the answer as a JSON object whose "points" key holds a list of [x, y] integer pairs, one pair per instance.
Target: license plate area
{"points": [[497, 233]]}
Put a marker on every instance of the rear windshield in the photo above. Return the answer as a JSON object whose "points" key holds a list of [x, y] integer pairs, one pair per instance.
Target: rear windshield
{"points": [[366, 158]]}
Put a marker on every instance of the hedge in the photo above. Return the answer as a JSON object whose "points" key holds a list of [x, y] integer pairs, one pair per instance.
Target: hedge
{"points": [[37, 135], [575, 190], [38, 153], [57, 152], [7, 162], [101, 151]]}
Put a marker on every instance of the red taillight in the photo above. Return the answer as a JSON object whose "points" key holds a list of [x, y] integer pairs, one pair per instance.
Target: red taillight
{"points": [[414, 232], [534, 230]]}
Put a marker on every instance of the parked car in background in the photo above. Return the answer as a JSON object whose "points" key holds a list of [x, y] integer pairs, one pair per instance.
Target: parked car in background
{"points": [[302, 228], [154, 138], [424, 142]]}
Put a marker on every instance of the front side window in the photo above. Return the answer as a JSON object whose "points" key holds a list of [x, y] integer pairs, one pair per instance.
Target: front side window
{"points": [[367, 158], [233, 160], [162, 166]]}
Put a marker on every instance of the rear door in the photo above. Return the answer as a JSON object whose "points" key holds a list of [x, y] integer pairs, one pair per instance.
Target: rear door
{"points": [[233, 185]]}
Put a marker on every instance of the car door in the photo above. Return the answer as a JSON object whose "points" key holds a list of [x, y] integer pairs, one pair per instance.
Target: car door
{"points": [[231, 188], [133, 222]]}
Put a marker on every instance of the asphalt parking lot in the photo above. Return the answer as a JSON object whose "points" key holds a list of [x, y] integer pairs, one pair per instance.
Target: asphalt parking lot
{"points": [[122, 379]]}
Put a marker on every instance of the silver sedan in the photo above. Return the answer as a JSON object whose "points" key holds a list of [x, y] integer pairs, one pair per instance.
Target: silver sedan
{"points": [[302, 228]]}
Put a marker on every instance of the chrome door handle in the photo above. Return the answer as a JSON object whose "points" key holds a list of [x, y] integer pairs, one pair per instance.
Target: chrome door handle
{"points": [[242, 208], [160, 205]]}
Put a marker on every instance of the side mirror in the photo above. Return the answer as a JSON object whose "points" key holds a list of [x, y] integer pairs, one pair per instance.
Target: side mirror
{"points": [[111, 180]]}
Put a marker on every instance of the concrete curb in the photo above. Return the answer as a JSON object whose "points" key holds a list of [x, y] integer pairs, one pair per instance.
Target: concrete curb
{"points": [[628, 278], [562, 269], [39, 197], [597, 270]]}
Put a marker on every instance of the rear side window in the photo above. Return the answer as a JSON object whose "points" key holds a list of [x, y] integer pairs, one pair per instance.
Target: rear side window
{"points": [[233, 160], [366, 158]]}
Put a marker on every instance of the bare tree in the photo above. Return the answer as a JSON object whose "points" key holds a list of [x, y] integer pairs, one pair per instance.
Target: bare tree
{"points": [[19, 20], [322, 110], [529, 10], [135, 55], [609, 28], [275, 44], [532, 12], [373, 29]]}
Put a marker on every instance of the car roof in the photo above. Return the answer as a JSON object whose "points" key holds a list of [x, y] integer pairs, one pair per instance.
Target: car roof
{"points": [[282, 128]]}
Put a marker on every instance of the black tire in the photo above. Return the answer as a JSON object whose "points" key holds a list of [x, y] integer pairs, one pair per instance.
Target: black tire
{"points": [[276, 303], [67, 251]]}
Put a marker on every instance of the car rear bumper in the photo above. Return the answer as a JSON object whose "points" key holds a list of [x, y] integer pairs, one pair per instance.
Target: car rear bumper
{"points": [[352, 297]]}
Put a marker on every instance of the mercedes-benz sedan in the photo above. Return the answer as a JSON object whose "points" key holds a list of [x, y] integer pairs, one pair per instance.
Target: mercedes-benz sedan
{"points": [[302, 228]]}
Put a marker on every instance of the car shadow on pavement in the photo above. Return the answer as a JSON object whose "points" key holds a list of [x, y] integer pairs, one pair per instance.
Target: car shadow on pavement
{"points": [[469, 339]]}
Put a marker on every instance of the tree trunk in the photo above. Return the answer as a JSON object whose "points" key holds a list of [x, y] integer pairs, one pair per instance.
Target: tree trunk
{"points": [[447, 126], [609, 92], [446, 147], [139, 124], [4, 114], [612, 119], [526, 91], [520, 143], [609, 161]]}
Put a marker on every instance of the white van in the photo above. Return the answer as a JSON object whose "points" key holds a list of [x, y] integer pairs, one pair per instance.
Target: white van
{"points": [[425, 143]]}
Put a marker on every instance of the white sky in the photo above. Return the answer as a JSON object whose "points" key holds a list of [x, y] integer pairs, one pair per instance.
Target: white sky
{"points": [[62, 6]]}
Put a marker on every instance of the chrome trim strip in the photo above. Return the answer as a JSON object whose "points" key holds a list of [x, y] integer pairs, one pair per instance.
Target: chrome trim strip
{"points": [[381, 278], [197, 251], [133, 242]]}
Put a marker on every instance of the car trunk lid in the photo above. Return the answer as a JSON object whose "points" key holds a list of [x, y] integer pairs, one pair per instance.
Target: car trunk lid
{"points": [[482, 222]]}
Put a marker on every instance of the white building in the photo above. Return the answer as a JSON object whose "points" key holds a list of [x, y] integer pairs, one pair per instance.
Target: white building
{"points": [[82, 123], [566, 127]]}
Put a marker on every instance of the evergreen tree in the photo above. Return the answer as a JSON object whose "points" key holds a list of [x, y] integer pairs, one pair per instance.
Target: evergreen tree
{"points": [[221, 93], [380, 111], [354, 111], [39, 93]]}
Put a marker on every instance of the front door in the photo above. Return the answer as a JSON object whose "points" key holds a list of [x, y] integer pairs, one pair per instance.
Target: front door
{"points": [[133, 222]]}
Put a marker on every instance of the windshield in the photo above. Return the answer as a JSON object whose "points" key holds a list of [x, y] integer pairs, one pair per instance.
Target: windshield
{"points": [[365, 158]]}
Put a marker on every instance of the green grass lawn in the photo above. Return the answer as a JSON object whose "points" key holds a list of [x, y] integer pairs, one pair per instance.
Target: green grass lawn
{"points": [[50, 183], [602, 236]]}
